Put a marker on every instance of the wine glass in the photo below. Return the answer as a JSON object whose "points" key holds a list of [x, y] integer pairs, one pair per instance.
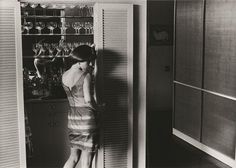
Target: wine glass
{"points": [[59, 50], [28, 26], [71, 47], [44, 6], [90, 11], [22, 29], [66, 49], [90, 27], [36, 48], [23, 4], [63, 26], [42, 49], [87, 27], [82, 26], [39, 26], [33, 5], [76, 26], [51, 26]]}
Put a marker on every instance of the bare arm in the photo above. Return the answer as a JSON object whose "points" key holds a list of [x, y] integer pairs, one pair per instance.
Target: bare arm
{"points": [[88, 97]]}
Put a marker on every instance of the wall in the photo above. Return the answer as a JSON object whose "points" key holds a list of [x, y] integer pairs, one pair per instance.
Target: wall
{"points": [[159, 81], [159, 56]]}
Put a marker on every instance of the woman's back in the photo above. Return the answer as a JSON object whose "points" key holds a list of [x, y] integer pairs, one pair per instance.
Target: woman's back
{"points": [[73, 81]]}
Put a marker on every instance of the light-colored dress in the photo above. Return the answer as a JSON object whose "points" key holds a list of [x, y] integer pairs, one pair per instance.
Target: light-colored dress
{"points": [[82, 119]]}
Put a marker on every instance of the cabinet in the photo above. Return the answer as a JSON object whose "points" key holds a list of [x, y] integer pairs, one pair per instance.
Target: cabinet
{"points": [[48, 123], [207, 35], [50, 32]]}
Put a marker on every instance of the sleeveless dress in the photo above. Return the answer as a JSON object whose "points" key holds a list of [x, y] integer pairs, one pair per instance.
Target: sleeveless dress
{"points": [[82, 119]]}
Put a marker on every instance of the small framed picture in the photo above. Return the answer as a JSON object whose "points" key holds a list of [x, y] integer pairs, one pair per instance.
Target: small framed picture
{"points": [[161, 34]]}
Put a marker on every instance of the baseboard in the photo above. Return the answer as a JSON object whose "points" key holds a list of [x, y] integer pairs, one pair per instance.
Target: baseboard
{"points": [[221, 157]]}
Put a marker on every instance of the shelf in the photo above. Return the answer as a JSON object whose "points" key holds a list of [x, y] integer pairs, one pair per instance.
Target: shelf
{"points": [[46, 56], [57, 34], [42, 16]]}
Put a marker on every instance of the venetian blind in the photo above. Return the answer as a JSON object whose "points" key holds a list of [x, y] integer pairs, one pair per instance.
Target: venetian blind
{"points": [[116, 45], [9, 136]]}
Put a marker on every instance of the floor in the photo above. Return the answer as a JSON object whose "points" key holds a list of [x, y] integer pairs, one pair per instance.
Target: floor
{"points": [[167, 151]]}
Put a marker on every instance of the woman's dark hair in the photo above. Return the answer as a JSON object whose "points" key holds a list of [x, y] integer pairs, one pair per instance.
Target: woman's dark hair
{"points": [[80, 54], [84, 53]]}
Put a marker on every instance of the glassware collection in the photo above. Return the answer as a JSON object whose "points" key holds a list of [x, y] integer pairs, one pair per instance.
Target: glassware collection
{"points": [[52, 50], [81, 27], [45, 65], [81, 10]]}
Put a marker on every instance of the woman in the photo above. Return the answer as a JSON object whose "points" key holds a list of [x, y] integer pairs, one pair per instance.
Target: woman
{"points": [[82, 117]]}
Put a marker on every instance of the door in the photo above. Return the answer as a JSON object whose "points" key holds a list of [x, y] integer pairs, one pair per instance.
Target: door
{"points": [[12, 133], [114, 42]]}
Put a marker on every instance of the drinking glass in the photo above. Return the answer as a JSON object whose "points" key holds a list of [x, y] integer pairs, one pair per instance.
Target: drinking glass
{"points": [[82, 26], [43, 49], [76, 44], [51, 50], [63, 26], [71, 47], [28, 26], [51, 26], [32, 5], [39, 26], [87, 27], [91, 27], [22, 29], [23, 4], [36, 48], [44, 6], [59, 50], [90, 11], [76, 26], [66, 49]]}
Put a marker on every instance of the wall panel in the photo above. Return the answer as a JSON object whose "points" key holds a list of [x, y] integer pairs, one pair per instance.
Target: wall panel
{"points": [[189, 41], [220, 60], [188, 111]]}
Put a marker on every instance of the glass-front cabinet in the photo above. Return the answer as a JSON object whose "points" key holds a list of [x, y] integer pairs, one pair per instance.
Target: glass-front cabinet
{"points": [[49, 33]]}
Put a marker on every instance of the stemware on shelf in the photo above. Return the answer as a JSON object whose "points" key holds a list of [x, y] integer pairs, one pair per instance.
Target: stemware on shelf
{"points": [[28, 26], [51, 26], [64, 26], [51, 51], [36, 48], [76, 26], [39, 26], [33, 5], [44, 6], [22, 29], [23, 4]]}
